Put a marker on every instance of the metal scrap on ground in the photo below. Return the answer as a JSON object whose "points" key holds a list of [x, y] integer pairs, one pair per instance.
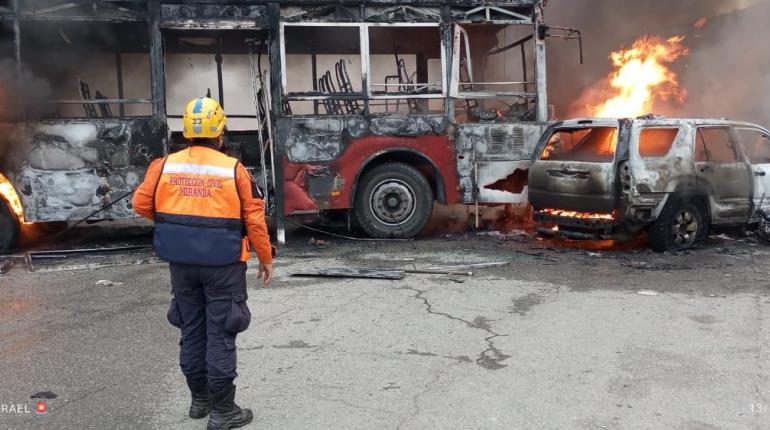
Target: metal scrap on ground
{"points": [[352, 273], [471, 266], [395, 274], [438, 271], [30, 256]]}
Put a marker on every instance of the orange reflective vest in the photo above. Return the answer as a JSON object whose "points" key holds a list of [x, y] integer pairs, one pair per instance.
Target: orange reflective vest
{"points": [[198, 210]]}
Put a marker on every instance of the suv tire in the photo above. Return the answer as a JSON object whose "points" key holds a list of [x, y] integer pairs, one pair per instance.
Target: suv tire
{"points": [[9, 228], [393, 200], [682, 224]]}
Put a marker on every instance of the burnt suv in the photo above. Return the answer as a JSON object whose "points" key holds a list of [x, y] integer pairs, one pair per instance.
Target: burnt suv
{"points": [[674, 178]]}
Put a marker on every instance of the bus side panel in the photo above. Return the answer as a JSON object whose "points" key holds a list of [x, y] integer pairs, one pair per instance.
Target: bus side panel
{"points": [[66, 169], [322, 157]]}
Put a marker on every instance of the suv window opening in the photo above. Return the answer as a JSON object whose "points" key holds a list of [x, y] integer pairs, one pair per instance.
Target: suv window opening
{"points": [[755, 143], [656, 141], [718, 144], [583, 144]]}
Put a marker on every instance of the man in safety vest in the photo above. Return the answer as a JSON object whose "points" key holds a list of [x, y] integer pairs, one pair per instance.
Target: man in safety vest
{"points": [[207, 209]]}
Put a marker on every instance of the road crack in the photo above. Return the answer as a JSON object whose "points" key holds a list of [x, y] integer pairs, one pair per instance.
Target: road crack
{"points": [[491, 358]]}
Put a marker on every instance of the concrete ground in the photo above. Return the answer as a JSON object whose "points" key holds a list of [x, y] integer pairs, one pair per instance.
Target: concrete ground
{"points": [[560, 338]]}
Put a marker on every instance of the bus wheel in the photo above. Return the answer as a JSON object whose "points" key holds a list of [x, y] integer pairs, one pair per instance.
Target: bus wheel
{"points": [[393, 200], [9, 228]]}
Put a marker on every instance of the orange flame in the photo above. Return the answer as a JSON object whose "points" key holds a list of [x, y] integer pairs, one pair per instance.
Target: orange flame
{"points": [[8, 193], [579, 215], [642, 77], [701, 22]]}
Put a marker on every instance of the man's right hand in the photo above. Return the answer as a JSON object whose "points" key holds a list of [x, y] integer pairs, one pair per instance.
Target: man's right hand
{"points": [[265, 274]]}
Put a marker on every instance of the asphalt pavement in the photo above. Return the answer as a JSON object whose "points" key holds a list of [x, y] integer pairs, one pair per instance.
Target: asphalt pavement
{"points": [[559, 338]]}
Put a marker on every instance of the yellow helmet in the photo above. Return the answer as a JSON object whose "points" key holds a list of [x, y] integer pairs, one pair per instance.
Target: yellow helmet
{"points": [[203, 117]]}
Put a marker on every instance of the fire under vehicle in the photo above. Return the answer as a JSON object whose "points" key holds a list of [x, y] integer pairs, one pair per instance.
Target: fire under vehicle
{"points": [[374, 109], [674, 178]]}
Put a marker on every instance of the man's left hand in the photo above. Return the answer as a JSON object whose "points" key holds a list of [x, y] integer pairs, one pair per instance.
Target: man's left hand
{"points": [[265, 274]]}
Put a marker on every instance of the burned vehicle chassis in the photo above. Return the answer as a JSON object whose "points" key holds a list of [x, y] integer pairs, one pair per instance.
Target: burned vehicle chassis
{"points": [[673, 178]]}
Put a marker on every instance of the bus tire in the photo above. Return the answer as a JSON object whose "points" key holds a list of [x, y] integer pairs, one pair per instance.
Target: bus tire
{"points": [[9, 228], [393, 200]]}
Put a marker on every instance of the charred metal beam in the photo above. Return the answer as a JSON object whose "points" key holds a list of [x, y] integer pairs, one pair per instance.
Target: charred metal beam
{"points": [[498, 94], [56, 8], [276, 101], [307, 96], [403, 13], [119, 69], [540, 68], [314, 72], [220, 85], [524, 72], [157, 80], [218, 15], [79, 10], [447, 36]]}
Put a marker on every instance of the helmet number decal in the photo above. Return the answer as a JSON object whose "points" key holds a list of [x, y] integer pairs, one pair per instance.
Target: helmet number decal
{"points": [[197, 125]]}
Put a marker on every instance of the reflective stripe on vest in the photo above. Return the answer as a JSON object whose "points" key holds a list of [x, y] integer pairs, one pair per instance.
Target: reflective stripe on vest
{"points": [[198, 209]]}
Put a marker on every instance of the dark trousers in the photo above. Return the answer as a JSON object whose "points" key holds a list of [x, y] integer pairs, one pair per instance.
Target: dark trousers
{"points": [[209, 306]]}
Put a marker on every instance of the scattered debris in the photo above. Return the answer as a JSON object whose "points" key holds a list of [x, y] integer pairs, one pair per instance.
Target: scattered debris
{"points": [[723, 236], [295, 344], [106, 283], [653, 266], [44, 395], [305, 255], [352, 273], [594, 254], [647, 293], [5, 266], [515, 235], [317, 242]]}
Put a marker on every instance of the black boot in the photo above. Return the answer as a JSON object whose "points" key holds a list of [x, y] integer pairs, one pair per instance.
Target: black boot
{"points": [[201, 400], [225, 414]]}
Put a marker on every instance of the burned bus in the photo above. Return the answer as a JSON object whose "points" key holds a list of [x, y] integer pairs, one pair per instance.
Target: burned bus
{"points": [[373, 109]]}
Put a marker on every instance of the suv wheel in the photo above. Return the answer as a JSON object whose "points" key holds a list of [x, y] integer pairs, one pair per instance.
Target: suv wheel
{"points": [[393, 200], [9, 228], [681, 225]]}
